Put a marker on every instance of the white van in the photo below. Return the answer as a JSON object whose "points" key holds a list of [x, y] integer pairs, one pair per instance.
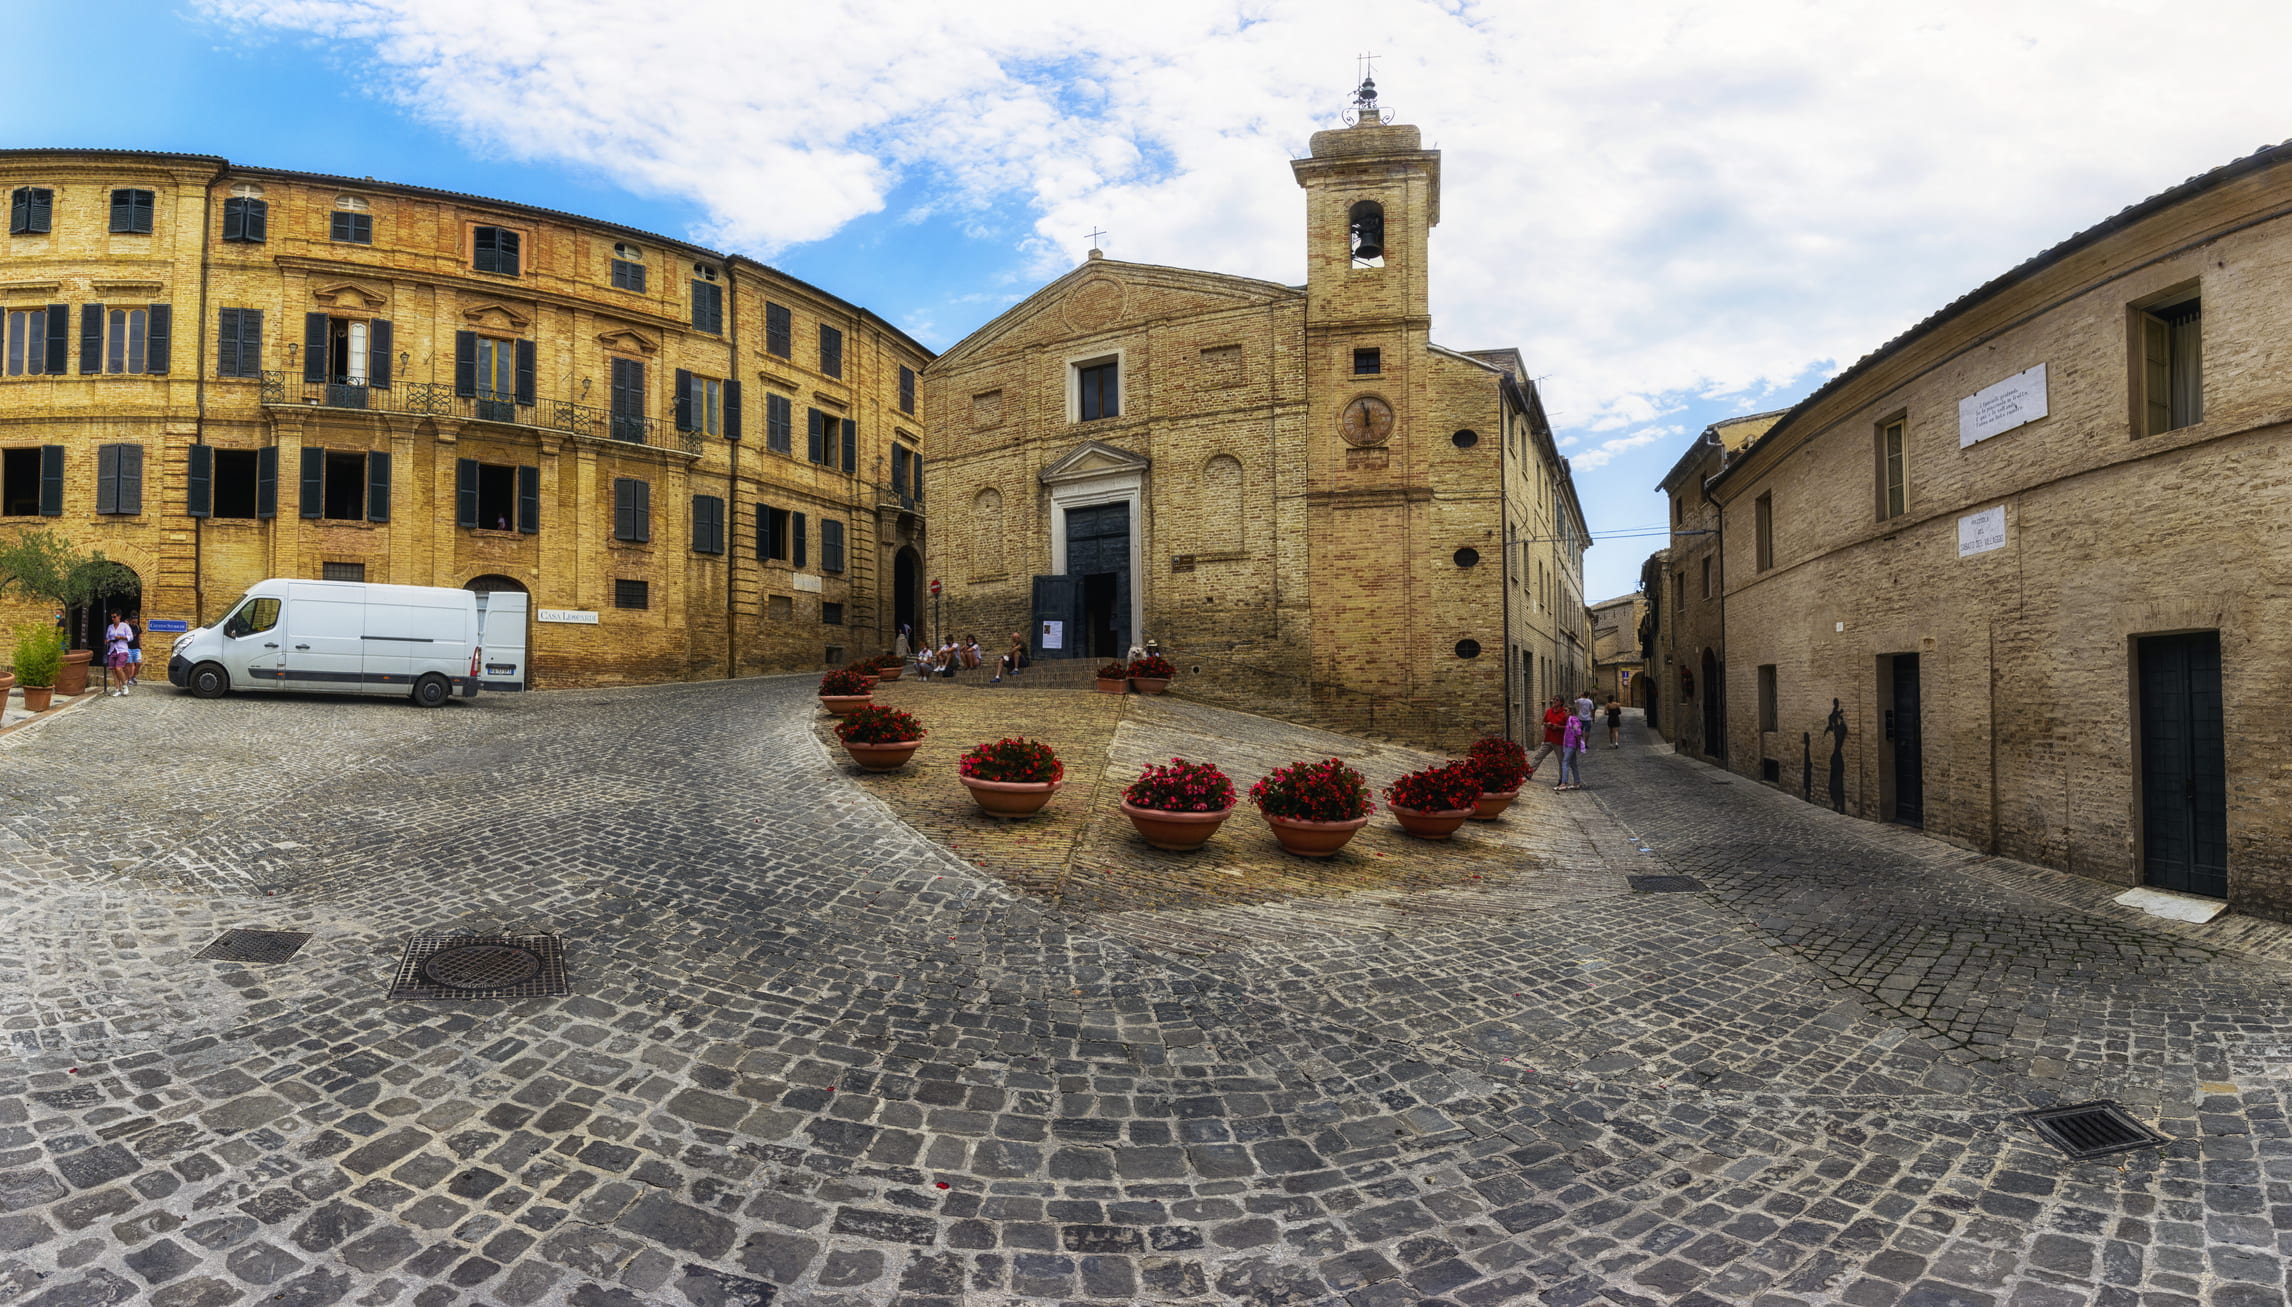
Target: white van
{"points": [[348, 637]]}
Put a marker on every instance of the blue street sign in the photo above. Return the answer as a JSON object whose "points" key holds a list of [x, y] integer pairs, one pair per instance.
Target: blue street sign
{"points": [[168, 626]]}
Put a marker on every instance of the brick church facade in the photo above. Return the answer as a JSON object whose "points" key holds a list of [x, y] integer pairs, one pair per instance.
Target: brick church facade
{"points": [[1310, 505]]}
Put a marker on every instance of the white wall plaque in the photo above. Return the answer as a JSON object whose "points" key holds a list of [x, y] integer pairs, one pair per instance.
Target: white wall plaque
{"points": [[1979, 533], [565, 615], [1054, 635], [807, 583], [1994, 410]]}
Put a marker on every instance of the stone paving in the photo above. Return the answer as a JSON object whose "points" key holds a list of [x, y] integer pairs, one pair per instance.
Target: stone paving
{"points": [[813, 1057]]}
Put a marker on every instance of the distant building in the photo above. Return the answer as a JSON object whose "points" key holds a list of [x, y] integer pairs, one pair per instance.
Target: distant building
{"points": [[1688, 695], [1617, 667], [1292, 489], [2017, 577]]}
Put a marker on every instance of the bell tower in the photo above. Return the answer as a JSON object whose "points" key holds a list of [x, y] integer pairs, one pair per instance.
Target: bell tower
{"points": [[1372, 196]]}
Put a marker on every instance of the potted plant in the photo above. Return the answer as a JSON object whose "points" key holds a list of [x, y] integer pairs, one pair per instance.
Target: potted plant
{"points": [[1151, 674], [864, 670], [39, 657], [1179, 807], [1503, 768], [1430, 804], [889, 666], [1011, 778], [880, 738], [844, 692], [1313, 807], [41, 563], [1113, 678]]}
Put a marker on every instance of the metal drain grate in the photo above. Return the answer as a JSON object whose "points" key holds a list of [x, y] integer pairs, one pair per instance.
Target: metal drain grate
{"points": [[481, 966], [2092, 1129], [1666, 884], [255, 946]]}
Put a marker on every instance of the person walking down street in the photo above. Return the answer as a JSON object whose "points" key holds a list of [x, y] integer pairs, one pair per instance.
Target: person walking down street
{"points": [[1555, 722], [134, 650], [1572, 755], [1615, 723], [115, 643], [1584, 709]]}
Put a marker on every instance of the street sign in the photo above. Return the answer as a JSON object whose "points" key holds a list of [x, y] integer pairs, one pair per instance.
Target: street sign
{"points": [[935, 586], [168, 626]]}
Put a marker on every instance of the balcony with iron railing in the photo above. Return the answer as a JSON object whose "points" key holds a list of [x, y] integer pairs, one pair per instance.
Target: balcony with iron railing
{"points": [[433, 399]]}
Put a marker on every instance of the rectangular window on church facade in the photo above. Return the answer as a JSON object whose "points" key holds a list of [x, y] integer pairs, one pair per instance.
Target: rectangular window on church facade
{"points": [[1099, 390], [1368, 362]]}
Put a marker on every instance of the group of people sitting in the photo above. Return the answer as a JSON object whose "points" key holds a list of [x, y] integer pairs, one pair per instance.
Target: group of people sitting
{"points": [[960, 655]]}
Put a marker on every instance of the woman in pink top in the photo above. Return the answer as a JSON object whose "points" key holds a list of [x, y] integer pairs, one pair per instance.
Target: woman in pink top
{"points": [[1572, 754]]}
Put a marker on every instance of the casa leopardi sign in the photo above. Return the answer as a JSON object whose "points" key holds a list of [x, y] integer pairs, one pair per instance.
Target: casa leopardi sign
{"points": [[574, 615]]}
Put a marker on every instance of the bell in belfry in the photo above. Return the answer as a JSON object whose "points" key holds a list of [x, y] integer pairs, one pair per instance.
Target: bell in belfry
{"points": [[1368, 222]]}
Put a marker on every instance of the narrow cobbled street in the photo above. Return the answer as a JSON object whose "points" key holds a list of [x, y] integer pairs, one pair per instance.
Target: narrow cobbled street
{"points": [[810, 1056]]}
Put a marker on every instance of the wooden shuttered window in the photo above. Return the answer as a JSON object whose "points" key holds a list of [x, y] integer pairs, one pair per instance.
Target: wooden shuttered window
{"points": [[772, 533], [1763, 530], [351, 228], [831, 351], [683, 406], [316, 330], [239, 342], [632, 510], [30, 209], [377, 486], [906, 389], [495, 249], [831, 545], [378, 353], [779, 330], [851, 445], [529, 500], [58, 340], [465, 492], [796, 539], [91, 338], [119, 479], [131, 212], [199, 481], [708, 307], [267, 481], [817, 436], [707, 524], [313, 501], [780, 424], [732, 410], [51, 480], [246, 219], [627, 399]]}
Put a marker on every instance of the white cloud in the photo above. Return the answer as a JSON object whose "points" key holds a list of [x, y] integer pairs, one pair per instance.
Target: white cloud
{"points": [[1656, 203], [1599, 455]]}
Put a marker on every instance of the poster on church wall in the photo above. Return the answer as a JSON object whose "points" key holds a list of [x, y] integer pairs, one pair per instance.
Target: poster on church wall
{"points": [[1054, 635], [1979, 533], [1995, 410]]}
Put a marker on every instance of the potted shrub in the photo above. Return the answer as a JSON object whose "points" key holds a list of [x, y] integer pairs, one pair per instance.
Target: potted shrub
{"points": [[39, 563], [1179, 807], [1430, 804], [1012, 777], [1313, 807], [39, 657], [864, 670], [880, 738], [1151, 674], [844, 692], [889, 666], [1503, 766], [1113, 678]]}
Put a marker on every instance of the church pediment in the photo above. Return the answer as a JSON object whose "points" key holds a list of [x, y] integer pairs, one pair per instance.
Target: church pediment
{"points": [[1092, 459], [354, 295], [628, 340], [1103, 297], [496, 316]]}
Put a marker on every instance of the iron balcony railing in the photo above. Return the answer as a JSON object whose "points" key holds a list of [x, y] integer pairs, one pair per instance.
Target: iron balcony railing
{"points": [[432, 399]]}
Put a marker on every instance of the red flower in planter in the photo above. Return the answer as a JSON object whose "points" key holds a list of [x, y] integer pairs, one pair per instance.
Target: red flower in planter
{"points": [[1445, 788], [1181, 787], [1313, 791], [1153, 667], [1013, 760], [877, 724], [1503, 763], [1113, 672], [845, 681]]}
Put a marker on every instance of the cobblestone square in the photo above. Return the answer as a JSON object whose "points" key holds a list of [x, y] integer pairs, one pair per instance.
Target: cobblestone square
{"points": [[815, 1055]]}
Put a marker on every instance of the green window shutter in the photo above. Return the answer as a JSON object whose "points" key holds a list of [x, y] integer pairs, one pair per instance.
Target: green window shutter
{"points": [[158, 335], [683, 400], [267, 481], [644, 511], [51, 480], [528, 500], [624, 509], [227, 342], [378, 353], [91, 338], [20, 210], [465, 492], [234, 219], [465, 363], [798, 532], [851, 445], [377, 486], [817, 448], [107, 478], [250, 342], [199, 482], [59, 340], [131, 480], [313, 482], [732, 410], [258, 221], [525, 372], [316, 327]]}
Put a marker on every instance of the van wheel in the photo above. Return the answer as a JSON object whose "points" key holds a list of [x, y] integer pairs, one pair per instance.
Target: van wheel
{"points": [[209, 681], [432, 691]]}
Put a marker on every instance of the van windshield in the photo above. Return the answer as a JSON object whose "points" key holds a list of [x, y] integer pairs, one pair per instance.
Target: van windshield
{"points": [[252, 617]]}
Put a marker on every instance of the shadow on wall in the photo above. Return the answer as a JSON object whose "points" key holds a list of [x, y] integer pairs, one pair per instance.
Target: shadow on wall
{"points": [[1293, 697]]}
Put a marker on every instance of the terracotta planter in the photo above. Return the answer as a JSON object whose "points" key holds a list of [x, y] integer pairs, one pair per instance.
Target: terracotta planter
{"points": [[7, 683], [843, 705], [1010, 798], [1313, 839], [1430, 825], [72, 677], [871, 680], [1179, 832], [38, 697], [882, 757], [1493, 803], [1150, 684], [1112, 687], [889, 673]]}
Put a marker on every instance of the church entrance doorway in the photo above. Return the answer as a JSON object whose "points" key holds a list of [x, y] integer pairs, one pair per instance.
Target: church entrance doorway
{"points": [[1098, 559], [906, 581]]}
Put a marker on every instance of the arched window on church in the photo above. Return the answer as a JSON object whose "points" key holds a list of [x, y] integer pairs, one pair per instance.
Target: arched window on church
{"points": [[987, 533], [1366, 223], [1221, 500]]}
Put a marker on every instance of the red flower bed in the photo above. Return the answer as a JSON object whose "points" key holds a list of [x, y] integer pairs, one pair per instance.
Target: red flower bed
{"points": [[1112, 672], [1013, 760], [1445, 788], [1153, 667], [1311, 791], [877, 724], [845, 681], [1503, 763], [887, 660], [1181, 787]]}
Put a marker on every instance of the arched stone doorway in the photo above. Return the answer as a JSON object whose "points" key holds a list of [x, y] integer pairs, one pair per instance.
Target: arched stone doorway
{"points": [[84, 623], [489, 583], [907, 593], [1714, 708]]}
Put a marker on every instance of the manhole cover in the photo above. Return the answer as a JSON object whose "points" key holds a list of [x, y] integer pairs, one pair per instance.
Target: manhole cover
{"points": [[255, 946], [1666, 884], [2092, 1129], [481, 966]]}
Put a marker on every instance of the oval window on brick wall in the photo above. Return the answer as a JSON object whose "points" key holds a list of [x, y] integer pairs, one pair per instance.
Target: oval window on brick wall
{"points": [[1466, 438], [1468, 648], [1467, 556]]}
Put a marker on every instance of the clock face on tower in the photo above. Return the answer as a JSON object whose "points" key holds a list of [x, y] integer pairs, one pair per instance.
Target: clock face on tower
{"points": [[1366, 421]]}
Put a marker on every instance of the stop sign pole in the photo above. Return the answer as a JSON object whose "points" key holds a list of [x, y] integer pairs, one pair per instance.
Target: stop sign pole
{"points": [[939, 631]]}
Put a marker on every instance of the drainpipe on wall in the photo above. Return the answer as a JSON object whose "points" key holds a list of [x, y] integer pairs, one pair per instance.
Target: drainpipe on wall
{"points": [[199, 391], [732, 488]]}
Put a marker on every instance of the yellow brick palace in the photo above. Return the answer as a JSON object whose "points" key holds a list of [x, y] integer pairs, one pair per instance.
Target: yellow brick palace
{"points": [[696, 465]]}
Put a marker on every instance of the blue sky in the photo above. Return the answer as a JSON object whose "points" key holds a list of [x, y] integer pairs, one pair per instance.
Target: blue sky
{"points": [[1677, 212]]}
